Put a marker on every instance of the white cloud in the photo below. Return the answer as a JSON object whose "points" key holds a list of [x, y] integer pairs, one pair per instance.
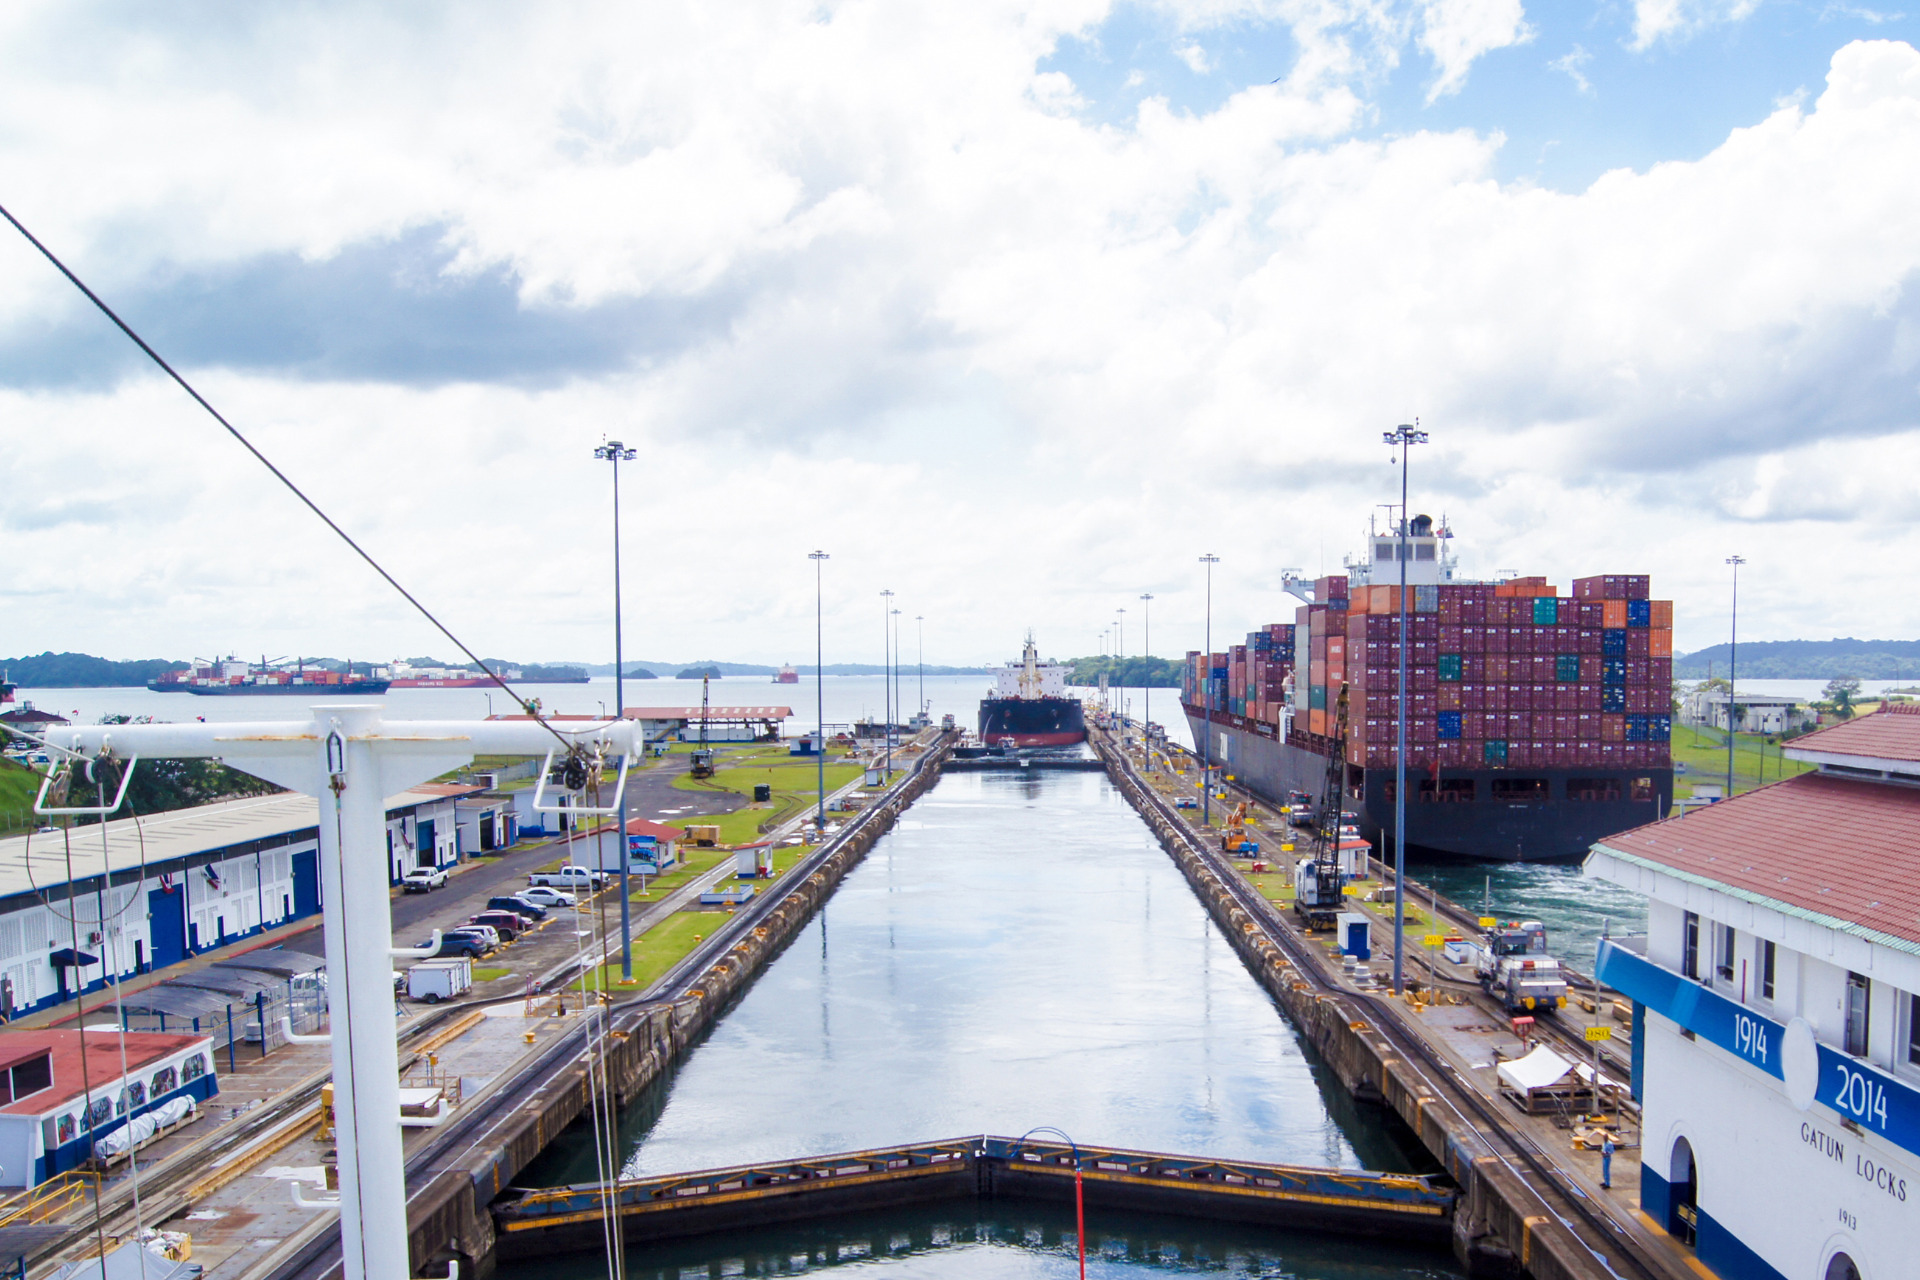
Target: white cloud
{"points": [[1570, 63], [1677, 20], [1457, 33], [1194, 56], [1020, 364]]}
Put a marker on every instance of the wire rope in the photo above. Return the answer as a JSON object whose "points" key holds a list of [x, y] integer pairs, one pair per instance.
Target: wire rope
{"points": [[525, 704]]}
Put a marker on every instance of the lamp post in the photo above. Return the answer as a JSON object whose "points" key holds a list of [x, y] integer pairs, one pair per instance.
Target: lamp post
{"points": [[886, 670], [819, 699], [1146, 644], [898, 707], [614, 452], [1402, 437], [920, 632], [1733, 652], [1206, 747]]}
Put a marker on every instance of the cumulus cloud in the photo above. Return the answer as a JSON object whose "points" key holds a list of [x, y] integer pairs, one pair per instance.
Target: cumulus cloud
{"points": [[1456, 33], [1677, 20], [861, 277]]}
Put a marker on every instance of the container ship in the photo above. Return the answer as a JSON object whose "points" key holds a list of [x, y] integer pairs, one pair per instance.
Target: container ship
{"points": [[1030, 706], [407, 676], [236, 677], [1536, 723]]}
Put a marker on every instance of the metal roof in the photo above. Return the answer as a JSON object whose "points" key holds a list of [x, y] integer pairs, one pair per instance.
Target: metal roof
{"points": [[1842, 851], [165, 837], [278, 961]]}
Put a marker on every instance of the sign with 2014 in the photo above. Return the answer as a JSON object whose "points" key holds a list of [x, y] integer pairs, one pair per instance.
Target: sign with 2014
{"points": [[1812, 1072]]}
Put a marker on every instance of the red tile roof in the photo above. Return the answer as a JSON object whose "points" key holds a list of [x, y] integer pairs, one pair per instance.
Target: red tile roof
{"points": [[658, 830], [103, 1060], [1891, 733], [1838, 847], [454, 789]]}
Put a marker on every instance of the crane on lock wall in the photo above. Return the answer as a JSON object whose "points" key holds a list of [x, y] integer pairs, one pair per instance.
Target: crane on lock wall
{"points": [[1318, 885], [703, 753]]}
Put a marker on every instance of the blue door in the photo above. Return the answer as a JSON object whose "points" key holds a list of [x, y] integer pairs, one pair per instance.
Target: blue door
{"points": [[306, 883], [423, 851], [167, 926]]}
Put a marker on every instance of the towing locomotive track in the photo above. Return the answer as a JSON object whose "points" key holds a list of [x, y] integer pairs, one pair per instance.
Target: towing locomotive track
{"points": [[1516, 1213]]}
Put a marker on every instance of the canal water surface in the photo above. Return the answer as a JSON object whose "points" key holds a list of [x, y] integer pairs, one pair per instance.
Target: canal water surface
{"points": [[1017, 952]]}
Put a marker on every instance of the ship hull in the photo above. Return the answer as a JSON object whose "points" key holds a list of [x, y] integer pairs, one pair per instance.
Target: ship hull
{"points": [[476, 682], [1032, 722], [358, 688], [1556, 828]]}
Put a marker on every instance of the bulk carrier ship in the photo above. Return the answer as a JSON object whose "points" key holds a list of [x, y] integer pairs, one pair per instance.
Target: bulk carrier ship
{"points": [[1536, 723], [1030, 706]]}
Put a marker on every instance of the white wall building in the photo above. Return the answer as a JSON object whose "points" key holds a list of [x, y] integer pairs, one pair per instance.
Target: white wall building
{"points": [[1777, 1013]]}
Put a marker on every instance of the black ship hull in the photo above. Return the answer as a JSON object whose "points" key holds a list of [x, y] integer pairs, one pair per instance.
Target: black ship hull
{"points": [[358, 688], [1556, 825], [1032, 722]]}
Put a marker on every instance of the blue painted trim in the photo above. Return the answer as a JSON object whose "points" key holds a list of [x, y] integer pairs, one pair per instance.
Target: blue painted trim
{"points": [[1725, 1255], [1877, 1102], [1656, 1195]]}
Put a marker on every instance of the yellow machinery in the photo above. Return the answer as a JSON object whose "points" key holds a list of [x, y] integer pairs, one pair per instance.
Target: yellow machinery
{"points": [[1238, 837]]}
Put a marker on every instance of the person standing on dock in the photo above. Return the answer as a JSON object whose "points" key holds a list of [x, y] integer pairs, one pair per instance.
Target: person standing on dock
{"points": [[1606, 1162]]}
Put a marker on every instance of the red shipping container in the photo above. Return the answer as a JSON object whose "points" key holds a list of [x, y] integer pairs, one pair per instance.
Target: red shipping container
{"points": [[1425, 679], [1421, 704], [1474, 611], [1637, 643], [1541, 668], [1587, 643], [1613, 727], [1473, 697], [1566, 697], [1519, 755], [1499, 668], [1660, 672], [1448, 696], [1589, 668], [1514, 726], [1473, 667], [1449, 638], [1425, 627], [1587, 728], [1638, 586], [1586, 697], [1473, 639], [1638, 671], [1421, 730], [1494, 697]]}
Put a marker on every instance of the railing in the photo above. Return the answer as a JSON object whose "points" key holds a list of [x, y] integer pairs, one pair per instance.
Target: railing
{"points": [[48, 1200]]}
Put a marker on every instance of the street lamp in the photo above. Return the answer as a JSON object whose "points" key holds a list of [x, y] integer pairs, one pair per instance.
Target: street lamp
{"points": [[886, 670], [1402, 437], [1146, 617], [1206, 747], [819, 699], [1733, 652], [920, 630], [897, 707], [616, 453]]}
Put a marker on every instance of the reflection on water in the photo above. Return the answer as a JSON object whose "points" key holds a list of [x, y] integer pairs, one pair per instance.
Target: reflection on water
{"points": [[1003, 1241], [1017, 952], [1574, 907]]}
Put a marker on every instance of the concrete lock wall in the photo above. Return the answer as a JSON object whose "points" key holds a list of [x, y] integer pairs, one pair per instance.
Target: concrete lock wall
{"points": [[1501, 1226], [450, 1215]]}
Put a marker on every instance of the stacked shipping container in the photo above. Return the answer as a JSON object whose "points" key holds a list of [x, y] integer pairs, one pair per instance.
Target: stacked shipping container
{"points": [[1507, 675]]}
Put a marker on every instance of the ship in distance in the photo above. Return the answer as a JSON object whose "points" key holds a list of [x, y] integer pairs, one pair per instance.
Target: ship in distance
{"points": [[1537, 723], [231, 676], [1030, 707]]}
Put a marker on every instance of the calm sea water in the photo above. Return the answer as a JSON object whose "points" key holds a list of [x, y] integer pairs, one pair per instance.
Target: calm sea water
{"points": [[1017, 952]]}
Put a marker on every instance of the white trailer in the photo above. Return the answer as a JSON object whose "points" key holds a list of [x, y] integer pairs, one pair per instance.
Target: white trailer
{"points": [[432, 981]]}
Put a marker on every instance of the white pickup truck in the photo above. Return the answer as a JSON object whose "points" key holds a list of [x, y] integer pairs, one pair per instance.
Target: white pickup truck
{"points": [[569, 877], [424, 880]]}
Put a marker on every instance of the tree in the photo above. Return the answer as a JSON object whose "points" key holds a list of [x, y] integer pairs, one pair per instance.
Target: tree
{"points": [[1838, 697]]}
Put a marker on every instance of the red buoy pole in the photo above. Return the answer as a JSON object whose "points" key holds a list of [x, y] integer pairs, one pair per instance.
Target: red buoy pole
{"points": [[1080, 1217]]}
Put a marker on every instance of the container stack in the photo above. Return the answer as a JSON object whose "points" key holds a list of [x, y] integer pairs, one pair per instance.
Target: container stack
{"points": [[1510, 675]]}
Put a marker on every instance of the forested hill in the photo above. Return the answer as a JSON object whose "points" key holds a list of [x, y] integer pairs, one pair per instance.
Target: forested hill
{"points": [[82, 671], [1808, 660]]}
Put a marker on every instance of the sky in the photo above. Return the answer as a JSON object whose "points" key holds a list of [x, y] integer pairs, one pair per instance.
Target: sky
{"points": [[1013, 309]]}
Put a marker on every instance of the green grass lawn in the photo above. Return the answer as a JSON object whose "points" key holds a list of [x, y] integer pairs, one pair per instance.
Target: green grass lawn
{"points": [[487, 973], [654, 952], [794, 780], [1704, 752], [18, 786], [693, 862]]}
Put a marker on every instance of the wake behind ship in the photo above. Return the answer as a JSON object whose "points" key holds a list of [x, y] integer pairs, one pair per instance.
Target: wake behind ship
{"points": [[1537, 724], [1030, 706]]}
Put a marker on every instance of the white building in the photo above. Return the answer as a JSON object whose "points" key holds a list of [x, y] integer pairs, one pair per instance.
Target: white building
{"points": [[1777, 1012], [1759, 713]]}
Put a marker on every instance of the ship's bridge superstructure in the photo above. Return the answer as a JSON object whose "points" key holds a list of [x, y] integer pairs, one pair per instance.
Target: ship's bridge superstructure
{"points": [[1030, 677], [1776, 1003]]}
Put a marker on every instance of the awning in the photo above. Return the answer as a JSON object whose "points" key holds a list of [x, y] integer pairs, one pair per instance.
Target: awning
{"points": [[68, 958], [1539, 1069]]}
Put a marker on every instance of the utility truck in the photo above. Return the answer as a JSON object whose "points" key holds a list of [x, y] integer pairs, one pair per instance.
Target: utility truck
{"points": [[568, 877], [1517, 970]]}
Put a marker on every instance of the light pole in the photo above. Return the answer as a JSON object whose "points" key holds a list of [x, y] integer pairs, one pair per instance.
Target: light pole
{"points": [[1402, 437], [614, 452], [897, 705], [1146, 619], [920, 631], [1733, 651], [886, 670], [819, 699], [1206, 747]]}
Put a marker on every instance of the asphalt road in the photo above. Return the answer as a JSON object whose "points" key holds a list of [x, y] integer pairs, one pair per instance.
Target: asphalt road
{"points": [[650, 794]]}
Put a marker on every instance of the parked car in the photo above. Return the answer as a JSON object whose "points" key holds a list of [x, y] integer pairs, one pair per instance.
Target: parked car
{"points": [[485, 932], [545, 897], [424, 879], [454, 944], [569, 877], [505, 923], [528, 911]]}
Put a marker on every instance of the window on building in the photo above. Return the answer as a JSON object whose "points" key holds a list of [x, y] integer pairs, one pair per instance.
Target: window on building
{"points": [[1767, 959], [1858, 1014], [1690, 945], [1913, 1031], [1723, 952]]}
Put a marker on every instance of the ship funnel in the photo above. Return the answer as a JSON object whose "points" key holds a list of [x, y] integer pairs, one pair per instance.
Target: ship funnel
{"points": [[1421, 527]]}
